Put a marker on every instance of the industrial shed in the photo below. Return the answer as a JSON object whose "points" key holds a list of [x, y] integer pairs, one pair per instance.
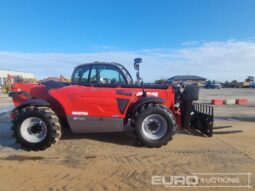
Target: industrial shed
{"points": [[187, 79], [4, 74]]}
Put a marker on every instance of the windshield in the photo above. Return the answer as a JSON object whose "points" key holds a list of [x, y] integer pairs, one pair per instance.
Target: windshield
{"points": [[127, 74]]}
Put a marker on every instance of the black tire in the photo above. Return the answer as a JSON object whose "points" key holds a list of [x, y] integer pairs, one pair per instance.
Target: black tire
{"points": [[51, 125], [159, 110]]}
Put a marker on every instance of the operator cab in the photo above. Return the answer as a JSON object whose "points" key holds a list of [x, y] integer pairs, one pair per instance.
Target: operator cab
{"points": [[101, 73], [104, 74]]}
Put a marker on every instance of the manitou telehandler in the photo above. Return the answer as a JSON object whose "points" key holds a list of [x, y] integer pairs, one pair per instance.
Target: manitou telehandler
{"points": [[102, 97]]}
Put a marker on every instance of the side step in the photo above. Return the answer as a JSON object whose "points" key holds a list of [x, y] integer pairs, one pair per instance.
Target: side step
{"points": [[202, 118]]}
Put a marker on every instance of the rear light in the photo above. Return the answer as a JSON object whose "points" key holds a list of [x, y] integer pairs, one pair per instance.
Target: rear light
{"points": [[13, 115]]}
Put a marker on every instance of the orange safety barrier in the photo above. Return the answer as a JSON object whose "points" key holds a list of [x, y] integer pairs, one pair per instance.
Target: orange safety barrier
{"points": [[241, 101], [217, 101]]}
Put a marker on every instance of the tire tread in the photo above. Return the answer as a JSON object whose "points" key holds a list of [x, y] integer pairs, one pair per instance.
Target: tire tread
{"points": [[148, 107], [52, 119]]}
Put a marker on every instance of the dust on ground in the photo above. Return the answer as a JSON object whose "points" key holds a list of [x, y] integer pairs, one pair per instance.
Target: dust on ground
{"points": [[113, 161]]}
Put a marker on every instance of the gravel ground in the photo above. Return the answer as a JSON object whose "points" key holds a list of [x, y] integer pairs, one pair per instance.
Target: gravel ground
{"points": [[114, 162]]}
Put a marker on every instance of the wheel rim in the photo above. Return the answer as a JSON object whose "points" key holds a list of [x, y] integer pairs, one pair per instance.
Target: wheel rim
{"points": [[154, 126], [33, 130]]}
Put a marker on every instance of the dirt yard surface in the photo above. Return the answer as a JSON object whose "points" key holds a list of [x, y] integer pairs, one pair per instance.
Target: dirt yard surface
{"points": [[114, 161]]}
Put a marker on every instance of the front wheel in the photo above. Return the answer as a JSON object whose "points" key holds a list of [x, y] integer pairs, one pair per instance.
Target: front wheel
{"points": [[36, 128], [155, 125]]}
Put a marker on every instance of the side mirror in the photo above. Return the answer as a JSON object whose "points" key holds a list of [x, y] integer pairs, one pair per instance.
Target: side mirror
{"points": [[137, 61]]}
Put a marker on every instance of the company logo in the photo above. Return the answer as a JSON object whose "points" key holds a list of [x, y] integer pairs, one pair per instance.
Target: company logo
{"points": [[230, 180], [79, 113], [172, 181], [155, 94]]}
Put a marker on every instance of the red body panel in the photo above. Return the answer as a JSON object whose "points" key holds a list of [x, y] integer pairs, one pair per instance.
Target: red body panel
{"points": [[101, 101], [91, 101], [35, 90]]}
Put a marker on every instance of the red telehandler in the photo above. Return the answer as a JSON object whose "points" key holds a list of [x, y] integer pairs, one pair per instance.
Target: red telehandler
{"points": [[102, 97]]}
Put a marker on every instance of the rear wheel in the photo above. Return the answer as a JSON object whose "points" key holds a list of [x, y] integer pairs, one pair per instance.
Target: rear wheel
{"points": [[36, 128], [154, 125]]}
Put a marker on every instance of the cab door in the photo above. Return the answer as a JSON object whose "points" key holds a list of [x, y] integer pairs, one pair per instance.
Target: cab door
{"points": [[97, 99]]}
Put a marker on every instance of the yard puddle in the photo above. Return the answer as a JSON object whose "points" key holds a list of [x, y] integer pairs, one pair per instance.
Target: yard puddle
{"points": [[22, 158], [36, 158], [218, 118]]}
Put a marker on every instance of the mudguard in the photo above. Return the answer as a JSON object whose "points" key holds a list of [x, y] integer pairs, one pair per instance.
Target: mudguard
{"points": [[32, 102], [143, 101], [14, 94]]}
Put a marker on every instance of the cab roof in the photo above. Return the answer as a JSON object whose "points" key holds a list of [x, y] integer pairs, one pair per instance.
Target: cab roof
{"points": [[99, 62], [120, 66]]}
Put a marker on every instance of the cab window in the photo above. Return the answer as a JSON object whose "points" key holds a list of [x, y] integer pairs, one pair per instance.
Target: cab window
{"points": [[109, 75], [81, 75]]}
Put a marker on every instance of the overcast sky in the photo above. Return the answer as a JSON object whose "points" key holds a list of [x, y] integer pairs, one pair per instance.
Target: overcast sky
{"points": [[210, 38]]}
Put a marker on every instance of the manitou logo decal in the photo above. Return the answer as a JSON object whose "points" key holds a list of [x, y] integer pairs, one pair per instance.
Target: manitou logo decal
{"points": [[79, 113], [155, 94]]}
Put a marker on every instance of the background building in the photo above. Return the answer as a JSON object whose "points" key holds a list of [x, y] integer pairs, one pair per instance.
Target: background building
{"points": [[25, 75], [187, 79]]}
